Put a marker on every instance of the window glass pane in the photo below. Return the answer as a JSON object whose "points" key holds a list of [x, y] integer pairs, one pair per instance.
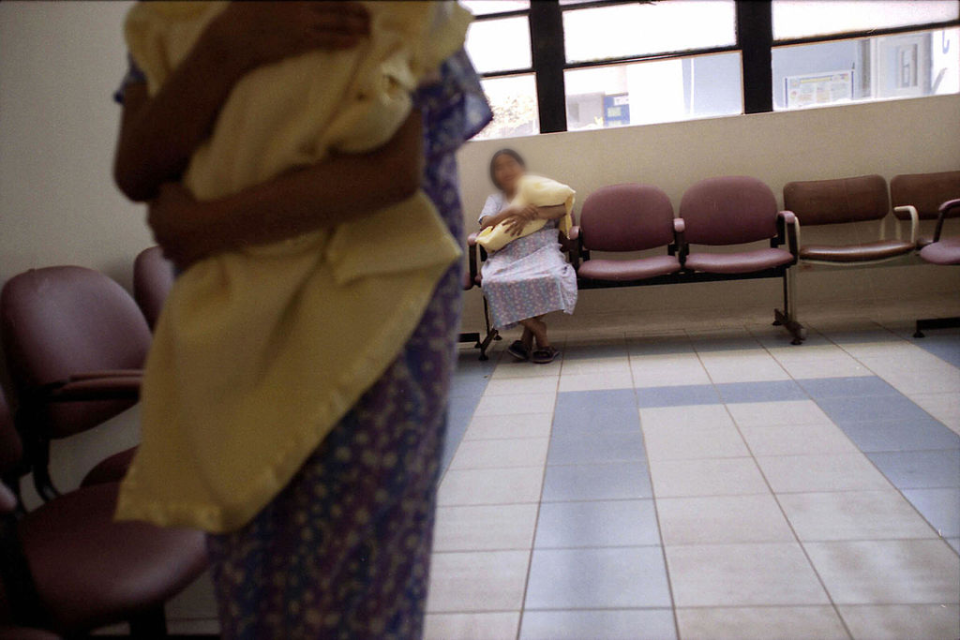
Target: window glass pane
{"points": [[502, 44], [806, 18], [634, 29], [484, 7], [514, 103], [650, 92], [904, 65]]}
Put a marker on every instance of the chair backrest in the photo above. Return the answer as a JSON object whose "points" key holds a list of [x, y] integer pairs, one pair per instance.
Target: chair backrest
{"points": [[819, 202], [626, 217], [729, 210], [926, 192], [61, 321], [153, 278]]}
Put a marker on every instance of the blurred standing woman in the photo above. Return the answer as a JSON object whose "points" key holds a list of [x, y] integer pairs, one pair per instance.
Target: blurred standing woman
{"points": [[529, 277]]}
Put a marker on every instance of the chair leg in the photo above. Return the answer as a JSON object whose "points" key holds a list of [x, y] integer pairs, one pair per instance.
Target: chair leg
{"points": [[492, 334], [788, 317], [936, 323], [149, 624]]}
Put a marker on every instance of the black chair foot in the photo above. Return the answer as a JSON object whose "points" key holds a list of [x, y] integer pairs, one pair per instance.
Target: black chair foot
{"points": [[484, 357], [777, 323], [797, 330], [919, 334]]}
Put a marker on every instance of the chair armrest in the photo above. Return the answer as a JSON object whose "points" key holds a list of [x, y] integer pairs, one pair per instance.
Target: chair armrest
{"points": [[914, 220], [115, 388], [107, 373], [944, 208], [792, 229], [8, 500], [472, 268], [679, 225], [573, 246], [574, 233], [472, 239]]}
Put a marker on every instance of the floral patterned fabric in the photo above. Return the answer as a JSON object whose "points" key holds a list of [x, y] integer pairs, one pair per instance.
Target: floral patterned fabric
{"points": [[343, 551], [527, 278]]}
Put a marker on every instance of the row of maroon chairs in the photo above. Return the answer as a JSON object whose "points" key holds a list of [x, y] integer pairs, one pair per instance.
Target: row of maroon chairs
{"points": [[75, 344], [737, 210]]}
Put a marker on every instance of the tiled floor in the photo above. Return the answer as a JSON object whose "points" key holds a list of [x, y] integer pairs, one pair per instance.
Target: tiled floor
{"points": [[705, 484]]}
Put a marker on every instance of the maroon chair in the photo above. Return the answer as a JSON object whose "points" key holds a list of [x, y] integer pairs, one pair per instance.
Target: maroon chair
{"points": [[69, 567], [75, 343], [945, 252], [737, 210], [922, 194], [625, 218], [841, 201], [153, 277]]}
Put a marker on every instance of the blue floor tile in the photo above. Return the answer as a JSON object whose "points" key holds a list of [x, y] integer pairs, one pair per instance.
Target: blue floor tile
{"points": [[900, 435], [623, 624], [920, 469], [602, 446], [943, 343], [941, 508], [597, 579], [610, 481], [585, 412], [614, 523], [770, 391], [846, 387], [872, 408], [677, 396]]}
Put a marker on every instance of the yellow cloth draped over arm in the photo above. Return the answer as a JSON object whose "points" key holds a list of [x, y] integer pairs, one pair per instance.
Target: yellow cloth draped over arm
{"points": [[259, 353], [540, 192]]}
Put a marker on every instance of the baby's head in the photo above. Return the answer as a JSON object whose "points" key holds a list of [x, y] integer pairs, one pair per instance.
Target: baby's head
{"points": [[506, 169]]}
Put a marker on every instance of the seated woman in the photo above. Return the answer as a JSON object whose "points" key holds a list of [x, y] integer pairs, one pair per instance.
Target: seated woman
{"points": [[529, 277]]}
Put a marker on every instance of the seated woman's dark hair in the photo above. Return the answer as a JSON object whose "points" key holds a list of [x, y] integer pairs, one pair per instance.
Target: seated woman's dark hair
{"points": [[493, 163]]}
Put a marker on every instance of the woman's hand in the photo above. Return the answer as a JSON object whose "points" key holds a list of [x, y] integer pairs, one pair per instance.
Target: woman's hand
{"points": [[173, 218], [518, 219], [265, 32]]}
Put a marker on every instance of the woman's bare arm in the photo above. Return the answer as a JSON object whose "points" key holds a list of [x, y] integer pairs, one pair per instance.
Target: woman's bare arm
{"points": [[337, 190], [159, 134]]}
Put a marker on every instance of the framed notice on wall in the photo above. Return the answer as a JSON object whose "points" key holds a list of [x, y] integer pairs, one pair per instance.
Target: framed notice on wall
{"points": [[811, 89]]}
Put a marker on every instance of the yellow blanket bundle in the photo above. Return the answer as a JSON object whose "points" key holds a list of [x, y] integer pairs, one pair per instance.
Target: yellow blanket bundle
{"points": [[540, 192], [259, 353]]}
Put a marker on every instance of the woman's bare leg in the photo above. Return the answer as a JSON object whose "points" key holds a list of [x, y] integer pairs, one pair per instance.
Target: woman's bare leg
{"points": [[538, 330], [527, 338]]}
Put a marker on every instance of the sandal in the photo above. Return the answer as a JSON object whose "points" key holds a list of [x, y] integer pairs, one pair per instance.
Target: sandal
{"points": [[519, 351], [545, 355]]}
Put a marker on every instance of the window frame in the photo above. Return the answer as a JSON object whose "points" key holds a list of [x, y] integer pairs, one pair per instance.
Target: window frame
{"points": [[754, 42]]}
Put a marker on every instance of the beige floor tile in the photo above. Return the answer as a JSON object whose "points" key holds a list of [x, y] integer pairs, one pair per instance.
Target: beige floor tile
{"points": [[477, 581], [742, 575], [512, 405], [743, 368], [844, 367], [665, 371], [706, 477], [703, 415], [723, 519], [471, 626], [761, 623], [939, 405], [490, 486], [822, 472], [581, 366], [596, 381], [797, 439], [854, 515], [898, 622], [772, 414], [485, 528], [524, 425], [888, 571], [691, 442], [493, 454], [521, 386], [515, 369]]}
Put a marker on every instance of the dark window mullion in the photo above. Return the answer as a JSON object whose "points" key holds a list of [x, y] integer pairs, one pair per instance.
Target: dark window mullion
{"points": [[546, 37], [755, 37]]}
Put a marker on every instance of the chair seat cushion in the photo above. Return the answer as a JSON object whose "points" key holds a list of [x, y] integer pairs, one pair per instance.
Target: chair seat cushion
{"points": [[112, 469], [869, 252], [741, 262], [947, 251], [639, 269], [90, 570]]}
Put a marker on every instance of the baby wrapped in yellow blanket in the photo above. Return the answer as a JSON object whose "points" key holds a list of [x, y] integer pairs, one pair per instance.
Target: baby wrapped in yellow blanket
{"points": [[258, 353], [540, 192]]}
